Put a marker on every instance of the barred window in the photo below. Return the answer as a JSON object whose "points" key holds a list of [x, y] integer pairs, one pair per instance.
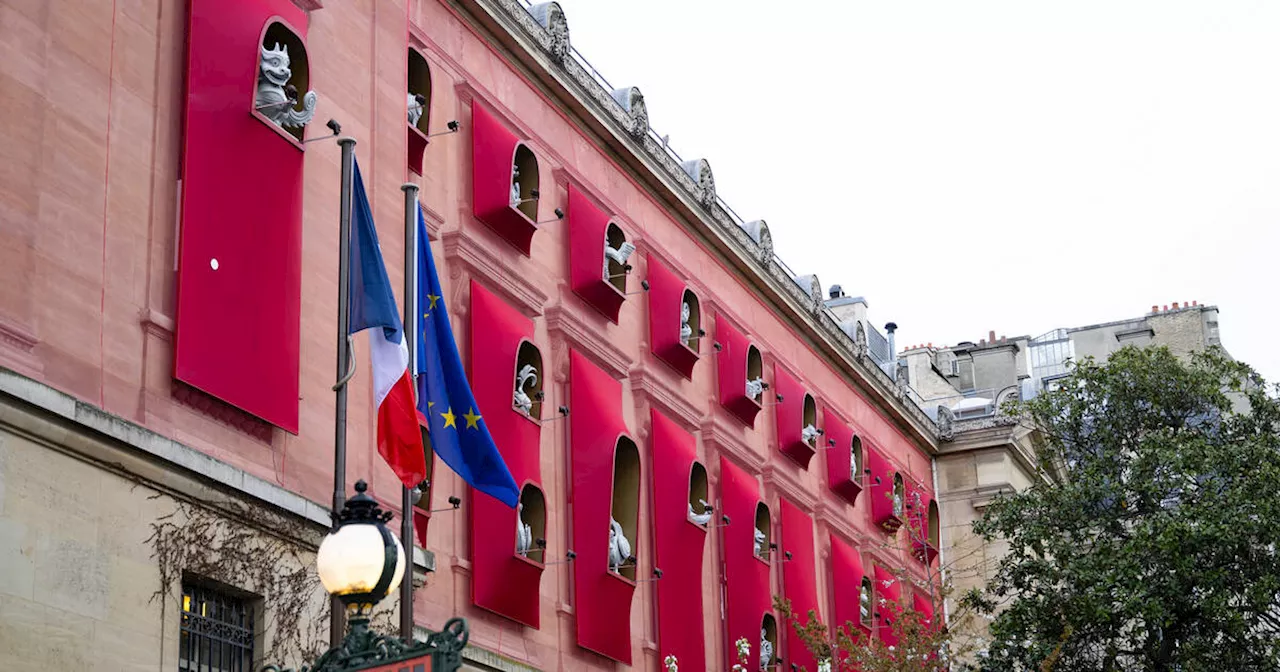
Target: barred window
{"points": [[216, 633]]}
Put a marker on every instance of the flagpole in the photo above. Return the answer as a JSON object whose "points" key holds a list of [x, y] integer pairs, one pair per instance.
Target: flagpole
{"points": [[348, 144], [411, 339]]}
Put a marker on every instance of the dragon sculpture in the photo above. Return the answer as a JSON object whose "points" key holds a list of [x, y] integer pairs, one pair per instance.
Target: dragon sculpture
{"points": [[619, 547], [276, 97], [618, 255]]}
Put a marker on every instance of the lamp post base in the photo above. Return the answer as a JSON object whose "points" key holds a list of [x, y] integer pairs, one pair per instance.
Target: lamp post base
{"points": [[364, 649]]}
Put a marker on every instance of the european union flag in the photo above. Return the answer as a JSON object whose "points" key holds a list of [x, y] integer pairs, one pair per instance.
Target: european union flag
{"points": [[458, 433]]}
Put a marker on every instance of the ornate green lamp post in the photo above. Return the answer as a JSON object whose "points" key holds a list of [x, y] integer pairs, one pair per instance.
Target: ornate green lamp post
{"points": [[361, 562]]}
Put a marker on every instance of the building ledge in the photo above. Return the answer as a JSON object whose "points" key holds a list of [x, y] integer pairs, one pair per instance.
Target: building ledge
{"points": [[35, 398]]}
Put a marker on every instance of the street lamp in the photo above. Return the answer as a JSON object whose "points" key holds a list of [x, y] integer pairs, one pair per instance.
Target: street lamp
{"points": [[360, 562]]}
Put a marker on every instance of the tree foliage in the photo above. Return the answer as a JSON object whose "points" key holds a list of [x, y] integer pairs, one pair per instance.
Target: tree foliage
{"points": [[1152, 542]]}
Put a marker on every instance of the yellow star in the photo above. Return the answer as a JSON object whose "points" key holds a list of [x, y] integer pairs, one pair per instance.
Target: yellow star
{"points": [[472, 419], [432, 298], [449, 419]]}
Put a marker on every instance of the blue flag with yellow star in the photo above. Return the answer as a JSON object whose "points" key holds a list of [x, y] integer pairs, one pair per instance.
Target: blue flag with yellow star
{"points": [[458, 432]]}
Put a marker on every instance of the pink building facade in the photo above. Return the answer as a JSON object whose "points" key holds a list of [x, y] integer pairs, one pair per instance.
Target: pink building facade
{"points": [[100, 197]]}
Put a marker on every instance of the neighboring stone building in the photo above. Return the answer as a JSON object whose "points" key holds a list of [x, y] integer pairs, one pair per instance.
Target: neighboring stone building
{"points": [[984, 452]]}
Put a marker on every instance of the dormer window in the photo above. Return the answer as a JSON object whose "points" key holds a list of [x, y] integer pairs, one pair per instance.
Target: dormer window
{"points": [[282, 97]]}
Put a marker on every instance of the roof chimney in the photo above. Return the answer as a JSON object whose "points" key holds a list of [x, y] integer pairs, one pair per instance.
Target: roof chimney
{"points": [[1155, 309], [889, 328], [991, 337], [1175, 305], [836, 291]]}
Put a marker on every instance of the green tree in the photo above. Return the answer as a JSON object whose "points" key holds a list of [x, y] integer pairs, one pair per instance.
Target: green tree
{"points": [[1156, 549]]}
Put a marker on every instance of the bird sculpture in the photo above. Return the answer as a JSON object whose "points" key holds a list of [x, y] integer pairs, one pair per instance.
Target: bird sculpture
{"points": [[524, 532], [515, 186], [526, 377], [619, 547], [275, 97], [755, 387], [700, 518], [759, 542], [686, 331], [809, 434], [618, 255], [415, 109], [766, 650]]}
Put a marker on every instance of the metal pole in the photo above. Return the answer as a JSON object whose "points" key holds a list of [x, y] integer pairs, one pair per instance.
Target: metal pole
{"points": [[348, 144], [411, 338]]}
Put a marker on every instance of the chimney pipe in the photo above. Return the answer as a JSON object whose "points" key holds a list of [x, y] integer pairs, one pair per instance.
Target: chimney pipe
{"points": [[836, 291], [889, 328]]}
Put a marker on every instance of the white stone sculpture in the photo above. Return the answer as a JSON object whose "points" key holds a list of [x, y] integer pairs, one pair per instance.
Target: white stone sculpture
{"points": [[515, 186], [415, 110], [619, 255], [809, 434], [686, 331], [619, 547], [766, 649], [700, 518], [527, 376], [760, 538], [755, 387], [272, 99], [897, 503], [524, 532], [864, 603]]}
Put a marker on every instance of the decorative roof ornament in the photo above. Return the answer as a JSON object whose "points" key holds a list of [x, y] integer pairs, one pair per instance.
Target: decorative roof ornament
{"points": [[946, 423], [699, 170], [860, 347], [551, 17], [758, 231], [276, 97], [1008, 394], [632, 102], [813, 287]]}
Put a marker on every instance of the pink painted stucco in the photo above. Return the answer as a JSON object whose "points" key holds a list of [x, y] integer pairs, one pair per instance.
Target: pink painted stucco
{"points": [[88, 226]]}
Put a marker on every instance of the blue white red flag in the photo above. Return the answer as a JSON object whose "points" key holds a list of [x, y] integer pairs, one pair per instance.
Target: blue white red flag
{"points": [[373, 306]]}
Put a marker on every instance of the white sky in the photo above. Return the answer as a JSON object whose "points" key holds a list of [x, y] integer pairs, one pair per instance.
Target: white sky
{"points": [[971, 165]]}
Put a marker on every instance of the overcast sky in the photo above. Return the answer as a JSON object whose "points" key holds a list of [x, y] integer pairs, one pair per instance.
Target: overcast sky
{"points": [[1011, 165]]}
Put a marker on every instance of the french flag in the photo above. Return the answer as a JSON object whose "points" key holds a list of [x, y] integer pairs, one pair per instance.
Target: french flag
{"points": [[372, 306]]}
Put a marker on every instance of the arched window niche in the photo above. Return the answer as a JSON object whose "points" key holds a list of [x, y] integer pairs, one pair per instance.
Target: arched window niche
{"points": [[691, 337], [418, 108], [524, 182], [615, 271], [279, 33], [856, 468], [527, 394], [769, 635], [755, 373], [899, 496], [419, 85], [809, 419], [699, 505], [626, 501], [531, 524], [866, 607], [763, 538]]}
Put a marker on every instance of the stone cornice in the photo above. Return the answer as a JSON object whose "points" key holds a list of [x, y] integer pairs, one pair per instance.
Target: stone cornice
{"points": [[666, 397], [590, 340], [719, 430], [476, 255], [560, 77]]}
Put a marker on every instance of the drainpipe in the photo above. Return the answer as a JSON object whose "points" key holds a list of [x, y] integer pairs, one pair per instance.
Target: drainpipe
{"points": [[942, 555], [893, 350]]}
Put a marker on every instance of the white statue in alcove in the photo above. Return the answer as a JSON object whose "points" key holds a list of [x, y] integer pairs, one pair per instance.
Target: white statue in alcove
{"points": [[809, 434], [619, 547], [760, 538], [766, 649], [700, 518], [527, 376], [275, 97], [415, 109], [618, 255], [686, 331], [755, 387], [515, 186], [524, 532]]}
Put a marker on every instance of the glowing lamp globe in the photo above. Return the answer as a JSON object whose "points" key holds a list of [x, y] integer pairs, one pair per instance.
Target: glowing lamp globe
{"points": [[361, 562]]}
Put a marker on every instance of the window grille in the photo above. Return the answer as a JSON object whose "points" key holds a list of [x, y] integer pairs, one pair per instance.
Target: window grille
{"points": [[216, 633]]}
